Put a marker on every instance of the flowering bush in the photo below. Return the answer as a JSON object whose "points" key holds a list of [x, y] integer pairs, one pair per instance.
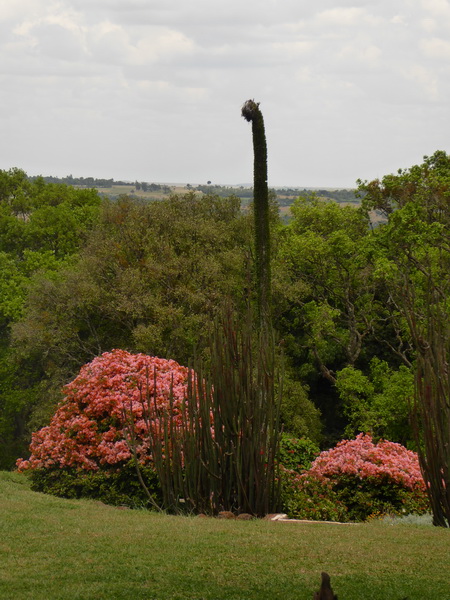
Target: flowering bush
{"points": [[88, 429], [364, 477], [366, 460]]}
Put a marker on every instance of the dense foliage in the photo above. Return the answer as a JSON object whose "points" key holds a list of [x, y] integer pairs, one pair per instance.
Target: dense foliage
{"points": [[412, 258], [358, 479], [116, 486], [361, 312], [143, 277], [42, 228], [149, 279], [331, 310], [297, 454]]}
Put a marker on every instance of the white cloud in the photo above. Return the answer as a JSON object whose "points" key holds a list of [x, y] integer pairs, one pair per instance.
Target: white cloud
{"points": [[345, 16], [439, 8], [429, 25], [436, 48], [14, 11], [110, 44], [398, 20], [164, 44], [361, 51], [57, 42], [425, 80]]}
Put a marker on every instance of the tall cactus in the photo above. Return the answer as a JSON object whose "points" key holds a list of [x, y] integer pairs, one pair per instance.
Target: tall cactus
{"points": [[252, 113]]}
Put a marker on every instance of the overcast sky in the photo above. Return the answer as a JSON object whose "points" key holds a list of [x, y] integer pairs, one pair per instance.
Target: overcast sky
{"points": [[152, 89]]}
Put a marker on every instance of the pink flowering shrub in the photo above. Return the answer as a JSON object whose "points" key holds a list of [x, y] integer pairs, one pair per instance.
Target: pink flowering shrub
{"points": [[88, 430], [364, 459], [364, 477]]}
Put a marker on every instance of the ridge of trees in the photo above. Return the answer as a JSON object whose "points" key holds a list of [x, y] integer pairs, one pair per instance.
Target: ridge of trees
{"points": [[285, 195]]}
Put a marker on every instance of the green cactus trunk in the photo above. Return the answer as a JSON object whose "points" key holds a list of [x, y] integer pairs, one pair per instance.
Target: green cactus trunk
{"points": [[219, 451], [251, 112]]}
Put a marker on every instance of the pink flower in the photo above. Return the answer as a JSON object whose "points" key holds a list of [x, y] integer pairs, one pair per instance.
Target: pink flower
{"points": [[363, 458], [88, 429]]}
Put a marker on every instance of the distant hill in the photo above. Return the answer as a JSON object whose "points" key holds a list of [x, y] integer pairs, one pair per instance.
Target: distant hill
{"points": [[157, 191]]}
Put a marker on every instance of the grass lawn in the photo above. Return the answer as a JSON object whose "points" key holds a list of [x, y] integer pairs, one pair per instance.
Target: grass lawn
{"points": [[58, 549]]}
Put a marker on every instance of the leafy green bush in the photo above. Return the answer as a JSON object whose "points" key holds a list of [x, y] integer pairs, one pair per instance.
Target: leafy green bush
{"points": [[297, 454], [348, 499], [116, 486], [376, 496], [377, 402], [311, 498]]}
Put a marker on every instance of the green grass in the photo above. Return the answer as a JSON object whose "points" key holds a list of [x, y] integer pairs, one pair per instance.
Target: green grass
{"points": [[52, 548]]}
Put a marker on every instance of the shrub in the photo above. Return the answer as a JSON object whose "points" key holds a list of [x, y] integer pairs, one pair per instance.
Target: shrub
{"points": [[363, 458], [363, 477], [116, 486], [297, 454], [307, 497], [87, 430]]}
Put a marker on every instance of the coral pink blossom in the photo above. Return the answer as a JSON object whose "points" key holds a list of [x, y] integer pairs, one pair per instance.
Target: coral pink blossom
{"points": [[88, 429], [364, 459]]}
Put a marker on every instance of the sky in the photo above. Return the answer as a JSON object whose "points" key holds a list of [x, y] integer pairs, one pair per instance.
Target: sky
{"points": [[151, 90]]}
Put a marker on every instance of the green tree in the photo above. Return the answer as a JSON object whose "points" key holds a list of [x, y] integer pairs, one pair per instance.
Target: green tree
{"points": [[326, 303], [150, 279], [377, 402], [15, 191], [342, 333], [42, 227], [324, 282], [413, 259], [39, 216]]}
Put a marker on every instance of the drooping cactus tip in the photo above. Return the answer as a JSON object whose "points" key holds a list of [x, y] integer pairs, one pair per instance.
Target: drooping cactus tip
{"points": [[249, 109]]}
